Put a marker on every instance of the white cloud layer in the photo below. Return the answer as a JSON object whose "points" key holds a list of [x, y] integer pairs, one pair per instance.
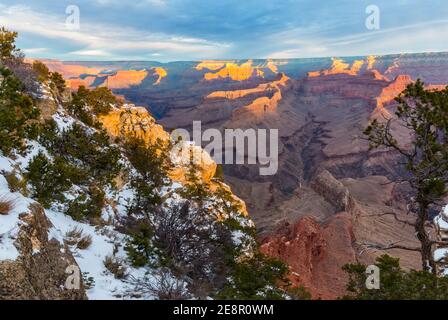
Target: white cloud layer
{"points": [[101, 40], [231, 29]]}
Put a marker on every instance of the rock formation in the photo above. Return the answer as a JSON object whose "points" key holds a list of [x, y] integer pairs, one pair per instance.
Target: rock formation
{"points": [[315, 253], [160, 73], [40, 270], [328, 179], [131, 121]]}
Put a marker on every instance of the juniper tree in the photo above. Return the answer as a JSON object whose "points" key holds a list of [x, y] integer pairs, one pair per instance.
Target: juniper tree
{"points": [[396, 283], [8, 49], [424, 114]]}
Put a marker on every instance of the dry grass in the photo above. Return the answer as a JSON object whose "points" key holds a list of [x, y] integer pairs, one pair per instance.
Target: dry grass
{"points": [[6, 205], [16, 184], [76, 237], [116, 267], [84, 242]]}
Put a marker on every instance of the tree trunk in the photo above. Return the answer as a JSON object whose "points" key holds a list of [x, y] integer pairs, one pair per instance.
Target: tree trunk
{"points": [[425, 241]]}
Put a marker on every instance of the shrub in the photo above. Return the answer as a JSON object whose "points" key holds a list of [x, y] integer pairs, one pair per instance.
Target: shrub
{"points": [[299, 293], [6, 205], [17, 113], [100, 100], [8, 49], [89, 281], [87, 205], [82, 158], [76, 237], [72, 236], [86, 102], [78, 108], [195, 189], [152, 164], [139, 245], [57, 82], [16, 184], [84, 242], [163, 285], [50, 179], [41, 71], [256, 278], [116, 267], [91, 150], [395, 283]]}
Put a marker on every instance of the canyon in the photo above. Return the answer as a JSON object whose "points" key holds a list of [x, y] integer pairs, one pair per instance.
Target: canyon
{"points": [[330, 202]]}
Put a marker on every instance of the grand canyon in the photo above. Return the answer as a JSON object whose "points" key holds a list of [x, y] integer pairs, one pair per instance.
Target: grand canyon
{"points": [[333, 201], [224, 158]]}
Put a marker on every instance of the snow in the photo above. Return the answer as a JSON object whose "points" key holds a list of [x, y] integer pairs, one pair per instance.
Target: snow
{"points": [[63, 122], [91, 260], [440, 254], [5, 164], [106, 241], [441, 223], [33, 149], [10, 223], [237, 237]]}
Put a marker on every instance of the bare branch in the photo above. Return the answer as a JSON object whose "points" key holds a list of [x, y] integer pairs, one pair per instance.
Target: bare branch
{"points": [[394, 214], [378, 246]]}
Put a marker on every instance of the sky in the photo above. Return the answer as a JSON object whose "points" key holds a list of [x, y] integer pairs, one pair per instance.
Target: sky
{"points": [[179, 30]]}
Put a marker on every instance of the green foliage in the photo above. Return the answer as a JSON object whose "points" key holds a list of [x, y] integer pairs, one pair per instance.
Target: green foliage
{"points": [[41, 70], [424, 113], [87, 205], [81, 157], [395, 283], [86, 102], [255, 279], [195, 189], [50, 179], [89, 282], [17, 113], [152, 164], [88, 149], [101, 99], [139, 246], [299, 293], [8, 49], [79, 109], [57, 82]]}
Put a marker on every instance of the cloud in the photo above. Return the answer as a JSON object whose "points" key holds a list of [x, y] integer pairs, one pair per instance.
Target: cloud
{"points": [[34, 51], [95, 39], [425, 37], [135, 3], [92, 53], [230, 29]]}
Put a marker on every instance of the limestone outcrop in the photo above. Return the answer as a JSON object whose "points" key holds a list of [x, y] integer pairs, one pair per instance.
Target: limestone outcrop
{"points": [[132, 121], [39, 272]]}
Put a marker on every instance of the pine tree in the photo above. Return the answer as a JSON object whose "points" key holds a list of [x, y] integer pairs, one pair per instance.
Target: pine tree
{"points": [[17, 112], [395, 283], [424, 113], [8, 49]]}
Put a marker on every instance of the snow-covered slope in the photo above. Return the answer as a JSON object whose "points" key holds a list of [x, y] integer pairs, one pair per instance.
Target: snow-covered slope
{"points": [[107, 235]]}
